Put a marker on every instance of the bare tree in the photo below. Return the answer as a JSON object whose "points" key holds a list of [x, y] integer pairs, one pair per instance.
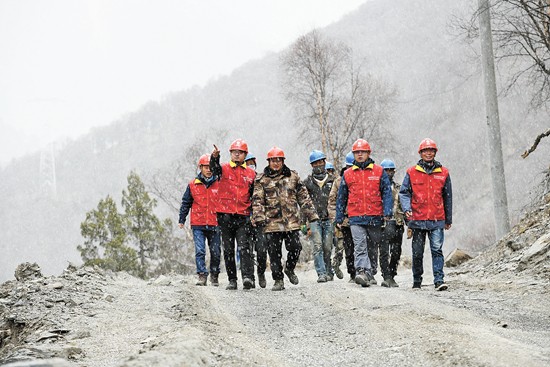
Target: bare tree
{"points": [[335, 102], [521, 31], [169, 183], [535, 144]]}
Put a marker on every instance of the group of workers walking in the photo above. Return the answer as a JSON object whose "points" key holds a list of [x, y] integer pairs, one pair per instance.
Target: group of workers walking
{"points": [[361, 213]]}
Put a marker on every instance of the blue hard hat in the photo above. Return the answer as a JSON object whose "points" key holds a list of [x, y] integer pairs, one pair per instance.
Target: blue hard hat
{"points": [[329, 165], [316, 155], [387, 164], [249, 156], [349, 159]]}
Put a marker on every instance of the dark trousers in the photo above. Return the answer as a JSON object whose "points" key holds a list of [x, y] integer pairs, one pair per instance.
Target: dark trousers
{"points": [[379, 250], [235, 227], [393, 236], [261, 249], [348, 249], [274, 241]]}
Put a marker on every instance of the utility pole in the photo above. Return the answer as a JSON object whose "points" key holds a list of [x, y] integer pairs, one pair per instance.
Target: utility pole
{"points": [[500, 201]]}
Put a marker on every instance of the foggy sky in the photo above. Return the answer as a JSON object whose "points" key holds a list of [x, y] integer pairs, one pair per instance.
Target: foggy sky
{"points": [[68, 65]]}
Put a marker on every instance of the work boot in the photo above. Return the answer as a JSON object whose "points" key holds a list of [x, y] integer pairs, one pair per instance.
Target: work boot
{"points": [[385, 283], [338, 273], [441, 286], [232, 285], [291, 276], [202, 279], [248, 283], [322, 279], [362, 279], [392, 283], [261, 280], [214, 280], [330, 277], [279, 285]]}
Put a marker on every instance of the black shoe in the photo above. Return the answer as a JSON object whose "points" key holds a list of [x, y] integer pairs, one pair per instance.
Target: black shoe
{"points": [[441, 286], [417, 285], [278, 286], [248, 283], [385, 283], [261, 280], [232, 285], [291, 276], [214, 280]]}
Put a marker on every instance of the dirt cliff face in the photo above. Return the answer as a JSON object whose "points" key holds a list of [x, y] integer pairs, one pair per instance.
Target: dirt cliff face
{"points": [[523, 253]]}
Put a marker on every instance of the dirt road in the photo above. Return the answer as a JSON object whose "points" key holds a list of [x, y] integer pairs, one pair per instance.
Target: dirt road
{"points": [[492, 323]]}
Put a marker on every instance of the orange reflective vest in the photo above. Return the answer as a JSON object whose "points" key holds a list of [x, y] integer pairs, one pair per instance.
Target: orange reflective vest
{"points": [[427, 197], [365, 197], [234, 189]]}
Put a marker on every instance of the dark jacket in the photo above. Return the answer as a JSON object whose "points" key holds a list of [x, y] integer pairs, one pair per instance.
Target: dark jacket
{"points": [[320, 194]]}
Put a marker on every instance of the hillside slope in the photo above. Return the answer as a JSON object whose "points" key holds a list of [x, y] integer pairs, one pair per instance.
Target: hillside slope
{"points": [[404, 42]]}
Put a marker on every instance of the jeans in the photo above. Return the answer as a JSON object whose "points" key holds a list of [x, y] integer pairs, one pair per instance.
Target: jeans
{"points": [[274, 241], [436, 237], [322, 234], [200, 236], [236, 227], [364, 236]]}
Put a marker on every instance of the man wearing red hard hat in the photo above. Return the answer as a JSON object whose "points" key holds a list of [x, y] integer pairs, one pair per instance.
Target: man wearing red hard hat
{"points": [[427, 200]]}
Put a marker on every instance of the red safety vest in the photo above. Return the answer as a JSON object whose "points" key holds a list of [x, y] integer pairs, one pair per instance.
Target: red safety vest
{"points": [[203, 210], [364, 196], [427, 189], [234, 189]]}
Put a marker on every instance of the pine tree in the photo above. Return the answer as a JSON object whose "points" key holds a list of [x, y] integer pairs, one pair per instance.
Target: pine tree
{"points": [[142, 225], [105, 237]]}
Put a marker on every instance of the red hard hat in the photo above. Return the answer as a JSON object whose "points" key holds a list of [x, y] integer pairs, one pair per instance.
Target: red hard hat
{"points": [[360, 144], [204, 160], [239, 144], [427, 144], [275, 153]]}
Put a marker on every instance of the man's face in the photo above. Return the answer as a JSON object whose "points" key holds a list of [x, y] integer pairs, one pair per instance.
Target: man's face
{"points": [[427, 155], [205, 170], [238, 156], [361, 155], [276, 163], [390, 172], [318, 166]]}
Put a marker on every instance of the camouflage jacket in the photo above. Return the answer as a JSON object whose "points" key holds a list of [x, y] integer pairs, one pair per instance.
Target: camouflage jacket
{"points": [[277, 201], [398, 213], [332, 202]]}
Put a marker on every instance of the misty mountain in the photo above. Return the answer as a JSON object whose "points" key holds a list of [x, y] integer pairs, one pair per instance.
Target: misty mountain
{"points": [[409, 44]]}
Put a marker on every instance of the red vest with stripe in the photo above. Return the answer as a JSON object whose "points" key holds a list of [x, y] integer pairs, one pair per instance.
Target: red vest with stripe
{"points": [[365, 197], [234, 189], [427, 189], [203, 210]]}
